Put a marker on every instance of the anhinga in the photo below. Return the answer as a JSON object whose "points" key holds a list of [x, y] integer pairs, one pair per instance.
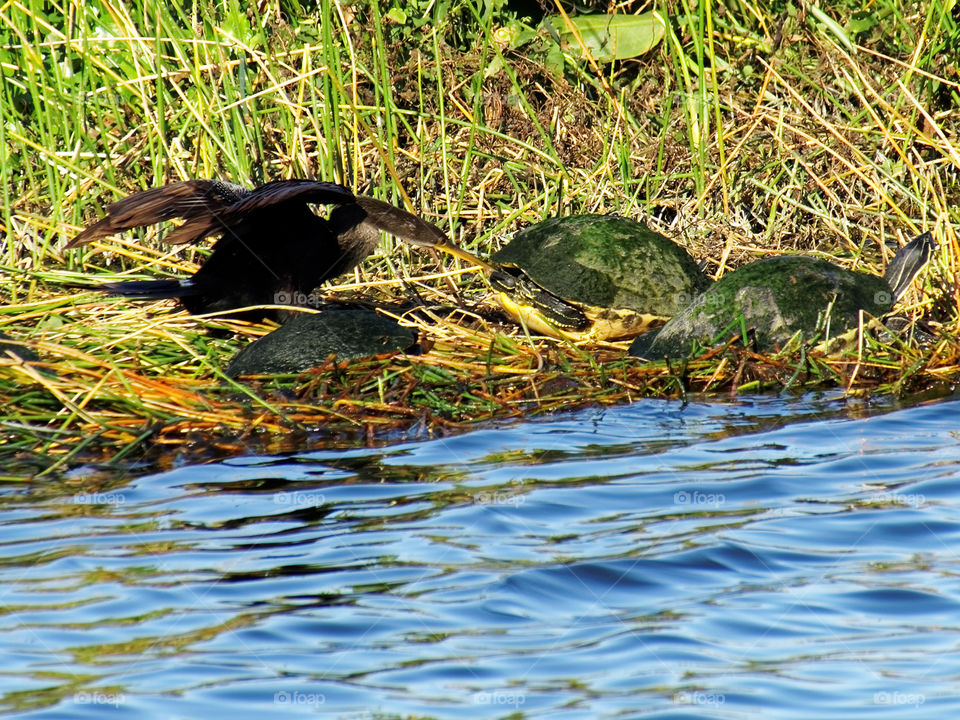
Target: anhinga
{"points": [[270, 242]]}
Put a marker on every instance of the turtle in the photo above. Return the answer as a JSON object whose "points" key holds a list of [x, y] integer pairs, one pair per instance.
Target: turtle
{"points": [[774, 299], [593, 277], [309, 339]]}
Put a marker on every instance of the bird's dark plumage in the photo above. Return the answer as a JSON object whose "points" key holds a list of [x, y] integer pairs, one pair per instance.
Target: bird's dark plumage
{"points": [[271, 246]]}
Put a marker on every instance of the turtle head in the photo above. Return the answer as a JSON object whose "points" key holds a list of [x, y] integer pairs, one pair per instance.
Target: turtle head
{"points": [[534, 306]]}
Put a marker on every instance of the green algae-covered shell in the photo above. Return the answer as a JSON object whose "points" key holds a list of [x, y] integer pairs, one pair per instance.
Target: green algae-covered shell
{"points": [[308, 340], [777, 297], [606, 261]]}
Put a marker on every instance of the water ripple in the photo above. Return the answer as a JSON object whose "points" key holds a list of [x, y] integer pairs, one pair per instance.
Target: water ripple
{"points": [[790, 557]]}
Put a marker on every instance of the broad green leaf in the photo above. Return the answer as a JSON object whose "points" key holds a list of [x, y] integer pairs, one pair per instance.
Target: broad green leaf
{"points": [[608, 37], [397, 15], [862, 22]]}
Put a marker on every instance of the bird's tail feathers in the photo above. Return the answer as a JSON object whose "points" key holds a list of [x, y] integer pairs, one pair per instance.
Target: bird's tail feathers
{"points": [[151, 289]]}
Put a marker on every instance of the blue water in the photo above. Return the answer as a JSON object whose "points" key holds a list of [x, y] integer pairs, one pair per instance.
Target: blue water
{"points": [[765, 557]]}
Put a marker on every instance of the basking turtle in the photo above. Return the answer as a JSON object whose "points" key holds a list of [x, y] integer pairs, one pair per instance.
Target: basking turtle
{"points": [[593, 277], [308, 340], [775, 298]]}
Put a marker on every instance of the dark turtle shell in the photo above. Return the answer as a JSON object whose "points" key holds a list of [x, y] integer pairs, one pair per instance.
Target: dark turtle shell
{"points": [[308, 340], [772, 299], [605, 262]]}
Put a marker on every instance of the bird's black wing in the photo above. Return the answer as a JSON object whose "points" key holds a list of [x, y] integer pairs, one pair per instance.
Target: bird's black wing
{"points": [[275, 199], [188, 200], [280, 192], [208, 207]]}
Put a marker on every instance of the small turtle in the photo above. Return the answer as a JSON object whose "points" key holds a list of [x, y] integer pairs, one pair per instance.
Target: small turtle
{"points": [[593, 277], [306, 341], [775, 298]]}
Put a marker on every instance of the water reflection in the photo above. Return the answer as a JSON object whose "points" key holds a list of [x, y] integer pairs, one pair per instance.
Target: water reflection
{"points": [[786, 556]]}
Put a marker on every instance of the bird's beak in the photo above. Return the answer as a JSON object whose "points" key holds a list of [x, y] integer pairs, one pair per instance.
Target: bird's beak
{"points": [[458, 252]]}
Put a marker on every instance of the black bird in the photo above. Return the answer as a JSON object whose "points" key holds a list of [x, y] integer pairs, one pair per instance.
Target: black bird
{"points": [[271, 246]]}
